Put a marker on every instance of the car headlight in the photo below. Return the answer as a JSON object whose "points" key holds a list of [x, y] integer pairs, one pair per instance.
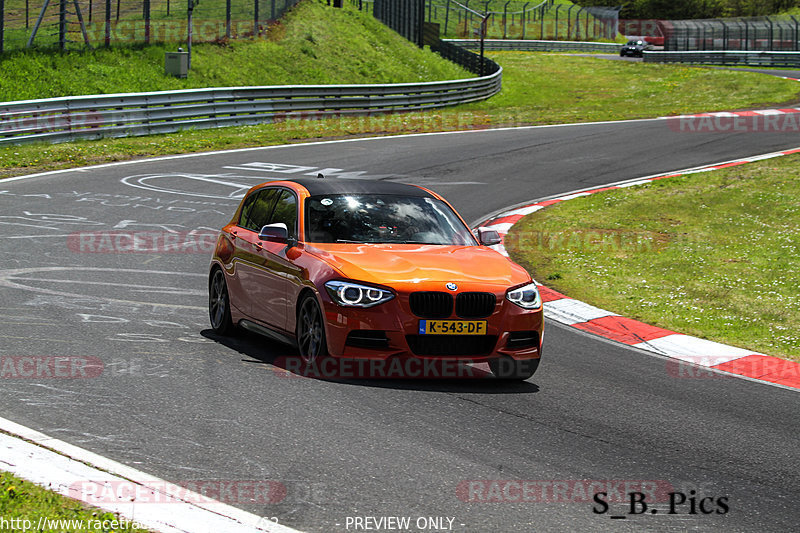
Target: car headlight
{"points": [[527, 296], [354, 295]]}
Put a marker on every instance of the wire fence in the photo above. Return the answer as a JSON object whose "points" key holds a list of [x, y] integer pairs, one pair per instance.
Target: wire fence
{"points": [[514, 19], [510, 19], [80, 24], [760, 33]]}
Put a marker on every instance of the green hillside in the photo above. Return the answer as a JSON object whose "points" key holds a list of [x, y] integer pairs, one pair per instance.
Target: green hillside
{"points": [[313, 44]]}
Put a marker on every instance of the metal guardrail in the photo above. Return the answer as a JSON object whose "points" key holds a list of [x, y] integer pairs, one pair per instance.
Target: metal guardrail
{"points": [[536, 46], [727, 57], [465, 58], [122, 115]]}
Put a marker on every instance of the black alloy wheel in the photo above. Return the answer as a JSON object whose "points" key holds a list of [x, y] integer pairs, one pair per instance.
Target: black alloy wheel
{"points": [[219, 309], [310, 331]]}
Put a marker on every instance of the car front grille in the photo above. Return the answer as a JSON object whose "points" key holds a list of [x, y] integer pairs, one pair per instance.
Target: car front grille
{"points": [[475, 304], [455, 345], [431, 304]]}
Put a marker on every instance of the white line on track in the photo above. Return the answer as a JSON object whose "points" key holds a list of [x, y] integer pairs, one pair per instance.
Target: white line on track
{"points": [[318, 143], [80, 474]]}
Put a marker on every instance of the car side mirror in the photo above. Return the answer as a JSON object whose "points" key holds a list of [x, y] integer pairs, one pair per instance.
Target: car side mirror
{"points": [[488, 237], [276, 232]]}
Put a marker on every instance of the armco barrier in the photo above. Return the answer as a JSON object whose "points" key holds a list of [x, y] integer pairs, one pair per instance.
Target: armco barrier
{"points": [[536, 46], [727, 57], [122, 115]]}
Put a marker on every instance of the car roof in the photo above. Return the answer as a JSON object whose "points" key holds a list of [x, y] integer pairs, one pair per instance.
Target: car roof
{"points": [[323, 186]]}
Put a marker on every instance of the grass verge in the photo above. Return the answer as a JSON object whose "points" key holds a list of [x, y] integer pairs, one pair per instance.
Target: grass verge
{"points": [[312, 44], [25, 506], [537, 89], [715, 255]]}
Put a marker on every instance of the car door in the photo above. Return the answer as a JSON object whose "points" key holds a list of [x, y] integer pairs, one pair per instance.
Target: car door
{"points": [[278, 276], [246, 279]]}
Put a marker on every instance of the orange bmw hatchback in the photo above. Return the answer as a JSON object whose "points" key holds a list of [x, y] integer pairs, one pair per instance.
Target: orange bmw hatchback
{"points": [[372, 270]]}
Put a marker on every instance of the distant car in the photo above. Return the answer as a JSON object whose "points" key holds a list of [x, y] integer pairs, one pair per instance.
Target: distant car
{"points": [[371, 270], [634, 48]]}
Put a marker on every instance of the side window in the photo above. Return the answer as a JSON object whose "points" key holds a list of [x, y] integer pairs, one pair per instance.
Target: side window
{"points": [[256, 213], [246, 208], [286, 212]]}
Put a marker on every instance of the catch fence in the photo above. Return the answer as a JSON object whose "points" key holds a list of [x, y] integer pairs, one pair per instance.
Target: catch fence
{"points": [[81, 24], [760, 33]]}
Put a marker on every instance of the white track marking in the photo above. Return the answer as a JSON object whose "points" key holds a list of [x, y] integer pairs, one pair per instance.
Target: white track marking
{"points": [[70, 470]]}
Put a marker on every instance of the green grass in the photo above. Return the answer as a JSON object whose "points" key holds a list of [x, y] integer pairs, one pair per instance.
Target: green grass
{"points": [[21, 500], [546, 88], [537, 89], [314, 44], [715, 255]]}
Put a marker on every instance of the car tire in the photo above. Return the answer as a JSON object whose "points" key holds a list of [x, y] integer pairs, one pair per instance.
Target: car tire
{"points": [[310, 331], [219, 304], [622, 54], [510, 369]]}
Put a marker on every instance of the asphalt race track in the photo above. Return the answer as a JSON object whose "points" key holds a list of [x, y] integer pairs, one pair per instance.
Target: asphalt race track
{"points": [[176, 401]]}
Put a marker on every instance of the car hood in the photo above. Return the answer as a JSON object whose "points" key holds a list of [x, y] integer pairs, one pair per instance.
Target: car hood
{"points": [[417, 265]]}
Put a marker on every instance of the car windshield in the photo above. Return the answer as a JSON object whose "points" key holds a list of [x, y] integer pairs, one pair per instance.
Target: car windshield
{"points": [[381, 218], [635, 42]]}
